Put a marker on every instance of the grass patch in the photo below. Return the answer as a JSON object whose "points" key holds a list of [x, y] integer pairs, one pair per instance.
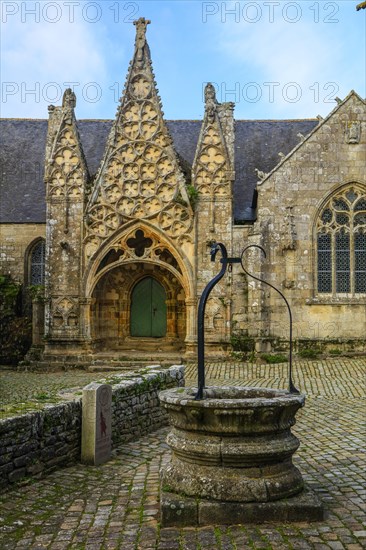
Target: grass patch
{"points": [[309, 353], [273, 359], [335, 351]]}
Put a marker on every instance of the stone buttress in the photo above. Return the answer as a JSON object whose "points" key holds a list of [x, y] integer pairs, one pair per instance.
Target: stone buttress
{"points": [[66, 176], [213, 176]]}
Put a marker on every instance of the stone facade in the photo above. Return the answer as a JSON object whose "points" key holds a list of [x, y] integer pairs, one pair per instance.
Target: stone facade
{"points": [[15, 245], [127, 249], [317, 189], [135, 220]]}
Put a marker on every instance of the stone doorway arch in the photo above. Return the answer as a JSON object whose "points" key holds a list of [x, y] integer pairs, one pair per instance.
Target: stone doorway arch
{"points": [[111, 308]]}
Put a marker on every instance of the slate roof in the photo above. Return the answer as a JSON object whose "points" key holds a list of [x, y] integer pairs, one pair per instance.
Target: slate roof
{"points": [[22, 147]]}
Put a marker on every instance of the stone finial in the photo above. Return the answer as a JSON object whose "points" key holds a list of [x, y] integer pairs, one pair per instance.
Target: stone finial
{"points": [[260, 174], [69, 99], [210, 101], [140, 41], [210, 93], [338, 100]]}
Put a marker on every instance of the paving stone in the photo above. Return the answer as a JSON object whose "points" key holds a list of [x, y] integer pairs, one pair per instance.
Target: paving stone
{"points": [[115, 506]]}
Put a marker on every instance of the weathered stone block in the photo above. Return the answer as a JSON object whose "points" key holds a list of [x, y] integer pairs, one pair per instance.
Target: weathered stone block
{"points": [[96, 440], [15, 475], [178, 510], [182, 511]]}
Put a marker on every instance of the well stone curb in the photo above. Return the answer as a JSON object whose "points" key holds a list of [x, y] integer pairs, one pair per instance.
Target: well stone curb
{"points": [[182, 511]]}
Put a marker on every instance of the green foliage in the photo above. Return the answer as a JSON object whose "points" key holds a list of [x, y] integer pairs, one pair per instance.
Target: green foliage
{"points": [[36, 292], [15, 339], [273, 359], [15, 330], [309, 353], [192, 195], [9, 296], [335, 351], [43, 396], [242, 342], [243, 347]]}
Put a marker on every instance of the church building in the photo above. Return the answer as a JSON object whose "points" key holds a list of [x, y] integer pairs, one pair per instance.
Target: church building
{"points": [[116, 219]]}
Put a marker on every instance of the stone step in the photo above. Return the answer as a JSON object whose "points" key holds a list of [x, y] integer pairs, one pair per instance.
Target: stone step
{"points": [[98, 363], [121, 367]]}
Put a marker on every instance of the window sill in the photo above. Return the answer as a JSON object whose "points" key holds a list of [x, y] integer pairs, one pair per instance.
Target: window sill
{"points": [[336, 300]]}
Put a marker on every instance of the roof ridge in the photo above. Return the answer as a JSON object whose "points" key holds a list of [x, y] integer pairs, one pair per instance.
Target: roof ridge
{"points": [[32, 119]]}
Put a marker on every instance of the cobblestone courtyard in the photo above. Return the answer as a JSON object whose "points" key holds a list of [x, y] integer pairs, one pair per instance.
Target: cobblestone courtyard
{"points": [[117, 505]]}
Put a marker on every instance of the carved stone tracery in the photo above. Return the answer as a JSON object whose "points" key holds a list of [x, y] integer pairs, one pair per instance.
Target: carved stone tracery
{"points": [[66, 170], [135, 245], [65, 313], [140, 176], [212, 163]]}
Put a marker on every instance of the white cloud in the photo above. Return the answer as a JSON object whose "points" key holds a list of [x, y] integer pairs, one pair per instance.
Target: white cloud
{"points": [[308, 53], [36, 54]]}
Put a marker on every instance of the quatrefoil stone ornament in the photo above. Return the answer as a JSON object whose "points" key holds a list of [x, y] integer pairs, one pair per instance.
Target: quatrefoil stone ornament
{"points": [[139, 243]]}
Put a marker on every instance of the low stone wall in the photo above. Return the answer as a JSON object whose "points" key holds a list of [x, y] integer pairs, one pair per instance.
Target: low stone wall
{"points": [[39, 442], [136, 407]]}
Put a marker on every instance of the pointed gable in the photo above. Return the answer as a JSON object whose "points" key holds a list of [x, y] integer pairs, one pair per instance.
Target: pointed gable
{"points": [[343, 119], [213, 164], [65, 170], [140, 176]]}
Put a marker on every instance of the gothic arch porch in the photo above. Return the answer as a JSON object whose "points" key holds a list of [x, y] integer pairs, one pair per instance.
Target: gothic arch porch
{"points": [[140, 306], [135, 252]]}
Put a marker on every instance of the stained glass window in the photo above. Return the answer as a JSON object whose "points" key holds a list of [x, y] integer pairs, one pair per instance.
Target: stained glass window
{"points": [[342, 261], [360, 262], [324, 263], [37, 259], [341, 244]]}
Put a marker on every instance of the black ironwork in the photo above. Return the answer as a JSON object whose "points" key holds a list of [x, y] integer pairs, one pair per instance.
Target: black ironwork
{"points": [[215, 247], [228, 261], [292, 388]]}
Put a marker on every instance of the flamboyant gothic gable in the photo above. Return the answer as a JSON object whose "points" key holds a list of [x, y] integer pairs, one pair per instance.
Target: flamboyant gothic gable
{"points": [[140, 176], [213, 165], [212, 176], [65, 171]]}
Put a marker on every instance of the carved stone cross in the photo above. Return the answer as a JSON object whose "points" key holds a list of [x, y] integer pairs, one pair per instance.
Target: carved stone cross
{"points": [[140, 25]]}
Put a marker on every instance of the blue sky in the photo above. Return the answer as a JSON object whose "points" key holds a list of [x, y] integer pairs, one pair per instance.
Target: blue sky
{"points": [[275, 59]]}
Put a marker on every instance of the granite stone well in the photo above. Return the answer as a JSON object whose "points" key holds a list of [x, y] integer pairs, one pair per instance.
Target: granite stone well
{"points": [[232, 446], [233, 450]]}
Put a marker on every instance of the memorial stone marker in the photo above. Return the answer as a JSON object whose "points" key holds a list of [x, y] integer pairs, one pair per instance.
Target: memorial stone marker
{"points": [[96, 439]]}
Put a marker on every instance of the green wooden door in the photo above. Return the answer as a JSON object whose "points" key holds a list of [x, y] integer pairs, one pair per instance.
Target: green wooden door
{"points": [[148, 309]]}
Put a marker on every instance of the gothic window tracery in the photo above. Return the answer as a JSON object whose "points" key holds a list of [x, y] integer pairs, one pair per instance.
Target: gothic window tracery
{"points": [[37, 263], [341, 244]]}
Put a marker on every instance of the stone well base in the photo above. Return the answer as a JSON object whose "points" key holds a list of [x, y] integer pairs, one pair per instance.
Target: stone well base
{"points": [[181, 511]]}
